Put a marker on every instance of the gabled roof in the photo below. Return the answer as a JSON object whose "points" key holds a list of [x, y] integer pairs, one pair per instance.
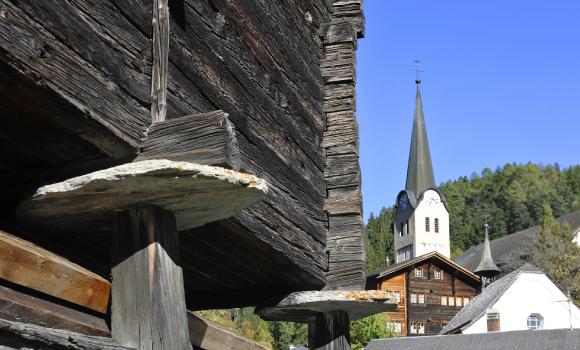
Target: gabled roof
{"points": [[561, 339], [509, 252], [477, 307], [419, 170], [442, 260]]}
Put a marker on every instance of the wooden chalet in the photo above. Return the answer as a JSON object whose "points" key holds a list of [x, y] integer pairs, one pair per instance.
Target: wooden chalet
{"points": [[430, 290], [161, 156]]}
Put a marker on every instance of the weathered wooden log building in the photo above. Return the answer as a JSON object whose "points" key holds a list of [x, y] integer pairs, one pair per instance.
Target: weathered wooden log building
{"points": [[190, 154]]}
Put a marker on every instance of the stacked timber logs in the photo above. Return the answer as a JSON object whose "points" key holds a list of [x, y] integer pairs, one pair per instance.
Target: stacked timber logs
{"points": [[343, 205]]}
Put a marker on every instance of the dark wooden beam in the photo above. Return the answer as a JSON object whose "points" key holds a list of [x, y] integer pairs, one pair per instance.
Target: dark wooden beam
{"points": [[148, 300], [22, 307], [17, 335], [31, 266], [330, 331], [160, 56], [206, 138]]}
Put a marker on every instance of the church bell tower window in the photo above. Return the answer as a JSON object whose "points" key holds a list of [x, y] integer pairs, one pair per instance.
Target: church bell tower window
{"points": [[427, 224], [436, 225]]}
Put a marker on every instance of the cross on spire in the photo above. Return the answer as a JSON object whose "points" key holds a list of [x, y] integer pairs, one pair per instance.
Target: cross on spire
{"points": [[418, 71]]}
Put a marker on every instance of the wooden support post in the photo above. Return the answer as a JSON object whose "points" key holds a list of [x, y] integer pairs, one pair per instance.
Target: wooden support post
{"points": [[330, 331], [148, 299]]}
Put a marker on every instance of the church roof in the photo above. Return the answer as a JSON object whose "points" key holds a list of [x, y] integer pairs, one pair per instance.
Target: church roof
{"points": [[511, 251], [477, 307], [420, 170]]}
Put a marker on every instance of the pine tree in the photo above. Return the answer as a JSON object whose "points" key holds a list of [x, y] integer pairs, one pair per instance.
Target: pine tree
{"points": [[558, 255]]}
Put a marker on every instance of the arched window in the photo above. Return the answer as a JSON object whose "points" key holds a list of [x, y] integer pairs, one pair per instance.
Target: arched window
{"points": [[427, 225], [407, 228], [402, 232], [535, 321], [436, 225]]}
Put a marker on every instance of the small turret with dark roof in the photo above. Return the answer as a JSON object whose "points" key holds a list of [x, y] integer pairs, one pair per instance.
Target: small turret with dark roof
{"points": [[487, 267]]}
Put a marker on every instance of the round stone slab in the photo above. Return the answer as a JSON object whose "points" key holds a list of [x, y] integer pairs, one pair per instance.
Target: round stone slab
{"points": [[196, 194], [304, 306]]}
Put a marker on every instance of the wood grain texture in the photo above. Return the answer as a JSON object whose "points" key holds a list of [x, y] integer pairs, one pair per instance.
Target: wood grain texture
{"points": [[19, 336], [148, 299], [330, 331], [260, 61], [343, 203], [91, 57], [26, 264], [206, 138], [160, 57], [208, 335], [21, 307]]}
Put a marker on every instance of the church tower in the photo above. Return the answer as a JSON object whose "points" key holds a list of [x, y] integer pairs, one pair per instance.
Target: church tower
{"points": [[421, 222]]}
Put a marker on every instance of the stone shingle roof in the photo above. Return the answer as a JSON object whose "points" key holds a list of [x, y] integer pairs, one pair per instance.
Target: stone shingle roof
{"points": [[477, 307], [561, 339], [513, 250]]}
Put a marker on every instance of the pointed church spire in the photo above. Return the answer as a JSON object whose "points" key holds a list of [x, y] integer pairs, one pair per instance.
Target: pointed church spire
{"points": [[420, 170], [486, 268]]}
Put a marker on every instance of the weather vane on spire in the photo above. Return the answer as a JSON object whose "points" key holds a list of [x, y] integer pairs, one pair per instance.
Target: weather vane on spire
{"points": [[418, 71]]}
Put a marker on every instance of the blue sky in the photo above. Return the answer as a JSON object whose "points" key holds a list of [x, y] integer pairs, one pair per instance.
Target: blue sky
{"points": [[501, 84]]}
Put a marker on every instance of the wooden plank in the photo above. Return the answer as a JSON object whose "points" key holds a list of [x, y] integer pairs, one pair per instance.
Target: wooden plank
{"points": [[211, 336], [160, 56], [17, 335], [148, 299], [206, 138], [26, 264], [97, 66], [21, 307], [343, 203]]}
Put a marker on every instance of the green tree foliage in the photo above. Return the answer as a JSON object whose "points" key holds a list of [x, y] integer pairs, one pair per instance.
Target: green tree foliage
{"points": [[511, 196], [373, 327], [556, 254], [288, 333]]}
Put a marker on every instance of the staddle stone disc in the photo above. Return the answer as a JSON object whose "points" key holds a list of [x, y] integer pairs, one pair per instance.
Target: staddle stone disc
{"points": [[196, 194], [303, 306]]}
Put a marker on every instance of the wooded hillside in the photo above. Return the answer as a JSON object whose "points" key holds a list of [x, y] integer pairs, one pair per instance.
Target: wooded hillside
{"points": [[511, 196]]}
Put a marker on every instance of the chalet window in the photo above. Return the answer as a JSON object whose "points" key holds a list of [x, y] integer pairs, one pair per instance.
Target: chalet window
{"points": [[451, 301], [396, 327], [436, 225], [438, 274], [420, 328], [418, 272], [427, 224], [535, 322], [465, 301], [458, 301], [421, 298], [413, 298], [444, 300]]}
